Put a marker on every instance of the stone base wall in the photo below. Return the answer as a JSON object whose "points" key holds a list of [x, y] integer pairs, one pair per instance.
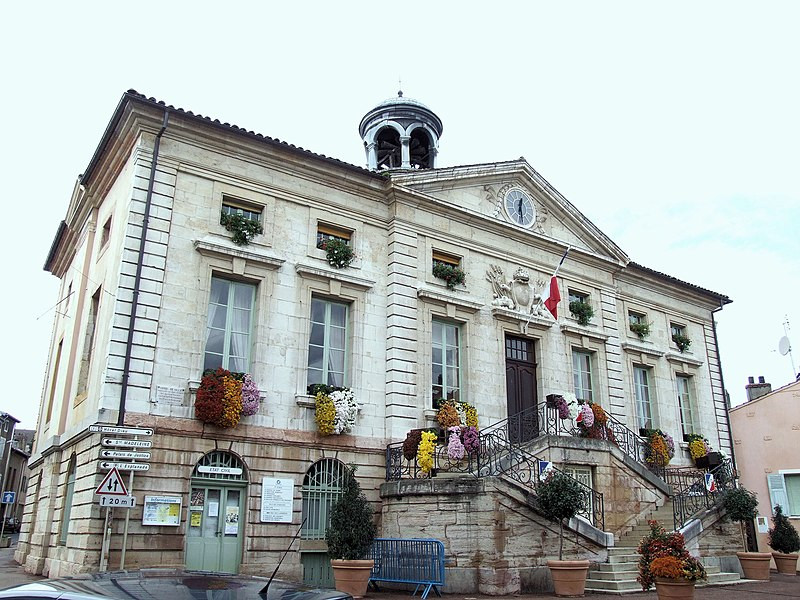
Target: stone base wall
{"points": [[495, 543]]}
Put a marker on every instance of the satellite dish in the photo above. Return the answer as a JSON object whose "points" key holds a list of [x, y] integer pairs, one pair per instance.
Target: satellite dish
{"points": [[784, 347]]}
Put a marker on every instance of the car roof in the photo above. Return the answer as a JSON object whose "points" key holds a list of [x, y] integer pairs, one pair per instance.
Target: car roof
{"points": [[167, 585]]}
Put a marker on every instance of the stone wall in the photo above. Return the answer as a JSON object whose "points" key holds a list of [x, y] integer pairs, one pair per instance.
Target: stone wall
{"points": [[495, 543]]}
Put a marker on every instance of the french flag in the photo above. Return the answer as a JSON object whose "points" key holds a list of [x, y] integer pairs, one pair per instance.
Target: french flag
{"points": [[551, 296]]}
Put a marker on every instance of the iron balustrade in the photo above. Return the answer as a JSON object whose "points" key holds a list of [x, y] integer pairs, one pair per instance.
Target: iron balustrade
{"points": [[691, 493], [500, 453]]}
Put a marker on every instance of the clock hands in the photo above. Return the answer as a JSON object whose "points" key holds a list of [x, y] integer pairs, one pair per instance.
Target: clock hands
{"points": [[519, 210]]}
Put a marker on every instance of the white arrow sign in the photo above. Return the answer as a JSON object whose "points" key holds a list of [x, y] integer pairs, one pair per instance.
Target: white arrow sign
{"points": [[120, 430], [125, 466], [118, 501], [124, 454], [112, 484], [126, 443]]}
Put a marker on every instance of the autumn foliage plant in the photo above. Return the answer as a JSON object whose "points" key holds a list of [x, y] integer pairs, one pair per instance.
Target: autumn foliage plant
{"points": [[223, 397], [664, 555]]}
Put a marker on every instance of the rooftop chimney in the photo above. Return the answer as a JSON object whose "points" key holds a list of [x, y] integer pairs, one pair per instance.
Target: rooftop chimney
{"points": [[756, 390]]}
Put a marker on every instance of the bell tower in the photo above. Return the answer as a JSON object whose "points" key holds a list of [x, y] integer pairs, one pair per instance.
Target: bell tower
{"points": [[401, 133]]}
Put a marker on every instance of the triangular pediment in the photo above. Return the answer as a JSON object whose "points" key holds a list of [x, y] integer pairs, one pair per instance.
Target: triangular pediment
{"points": [[513, 194]]}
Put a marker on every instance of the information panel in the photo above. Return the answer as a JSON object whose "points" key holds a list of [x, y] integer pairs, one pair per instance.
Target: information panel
{"points": [[277, 499], [162, 510]]}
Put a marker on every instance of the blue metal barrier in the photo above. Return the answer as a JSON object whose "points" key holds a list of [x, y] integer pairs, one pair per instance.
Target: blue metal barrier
{"points": [[416, 561]]}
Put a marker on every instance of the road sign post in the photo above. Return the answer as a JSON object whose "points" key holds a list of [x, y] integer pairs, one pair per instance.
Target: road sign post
{"points": [[9, 497]]}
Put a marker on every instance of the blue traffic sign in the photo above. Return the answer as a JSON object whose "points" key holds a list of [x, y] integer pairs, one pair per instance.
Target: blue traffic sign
{"points": [[8, 497]]}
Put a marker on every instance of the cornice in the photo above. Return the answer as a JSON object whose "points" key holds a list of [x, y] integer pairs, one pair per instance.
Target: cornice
{"points": [[448, 298], [212, 247], [360, 283], [634, 348]]}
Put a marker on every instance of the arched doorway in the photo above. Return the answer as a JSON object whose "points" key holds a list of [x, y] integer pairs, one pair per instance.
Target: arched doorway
{"points": [[322, 487], [216, 513]]}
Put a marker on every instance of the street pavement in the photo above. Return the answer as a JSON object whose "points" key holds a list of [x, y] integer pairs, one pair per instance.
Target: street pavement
{"points": [[778, 587]]}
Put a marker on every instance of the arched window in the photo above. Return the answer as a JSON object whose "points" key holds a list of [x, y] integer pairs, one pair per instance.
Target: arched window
{"points": [[220, 466], [322, 486], [69, 491], [420, 150], [389, 151]]}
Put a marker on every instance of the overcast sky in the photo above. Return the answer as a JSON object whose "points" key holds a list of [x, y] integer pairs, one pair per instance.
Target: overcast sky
{"points": [[674, 128]]}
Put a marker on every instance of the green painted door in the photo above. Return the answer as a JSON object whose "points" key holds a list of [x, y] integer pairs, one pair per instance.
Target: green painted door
{"points": [[214, 539]]}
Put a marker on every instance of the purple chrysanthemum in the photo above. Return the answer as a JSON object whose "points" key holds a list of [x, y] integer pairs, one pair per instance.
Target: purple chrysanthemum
{"points": [[251, 396], [471, 441]]}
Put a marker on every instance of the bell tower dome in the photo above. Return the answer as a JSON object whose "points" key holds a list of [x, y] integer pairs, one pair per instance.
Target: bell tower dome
{"points": [[401, 133]]}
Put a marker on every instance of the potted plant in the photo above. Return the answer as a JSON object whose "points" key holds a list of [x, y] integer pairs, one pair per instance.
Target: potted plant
{"points": [[699, 449], [452, 274], [242, 228], [338, 252], [741, 505], [640, 329], [665, 562], [560, 498], [783, 538], [582, 311], [349, 537], [681, 341]]}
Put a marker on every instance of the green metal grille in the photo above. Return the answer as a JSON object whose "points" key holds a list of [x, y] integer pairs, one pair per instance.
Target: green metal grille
{"points": [[322, 486]]}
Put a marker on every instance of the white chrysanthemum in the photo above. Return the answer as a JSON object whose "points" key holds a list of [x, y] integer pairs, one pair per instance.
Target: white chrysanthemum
{"points": [[346, 410], [572, 404], [461, 409]]}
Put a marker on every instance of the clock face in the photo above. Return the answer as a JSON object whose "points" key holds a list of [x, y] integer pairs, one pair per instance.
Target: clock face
{"points": [[519, 207]]}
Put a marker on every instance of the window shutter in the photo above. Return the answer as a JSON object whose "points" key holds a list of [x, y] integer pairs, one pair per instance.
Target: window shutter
{"points": [[777, 493]]}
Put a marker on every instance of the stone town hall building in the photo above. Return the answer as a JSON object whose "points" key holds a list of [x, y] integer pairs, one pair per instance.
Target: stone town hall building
{"points": [[383, 326]]}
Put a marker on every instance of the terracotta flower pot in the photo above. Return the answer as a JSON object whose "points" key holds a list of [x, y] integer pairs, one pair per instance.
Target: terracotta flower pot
{"points": [[569, 576], [674, 589], [786, 563], [755, 564], [352, 576]]}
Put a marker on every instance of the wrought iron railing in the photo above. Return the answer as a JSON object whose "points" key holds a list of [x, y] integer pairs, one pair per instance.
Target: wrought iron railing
{"points": [[500, 453], [693, 490]]}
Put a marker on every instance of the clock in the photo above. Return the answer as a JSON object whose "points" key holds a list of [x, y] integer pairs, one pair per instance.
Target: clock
{"points": [[519, 207]]}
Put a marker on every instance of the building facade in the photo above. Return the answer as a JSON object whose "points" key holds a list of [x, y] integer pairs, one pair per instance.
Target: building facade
{"points": [[144, 235], [765, 429]]}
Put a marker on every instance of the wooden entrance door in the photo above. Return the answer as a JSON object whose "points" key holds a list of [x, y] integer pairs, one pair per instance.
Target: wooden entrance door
{"points": [[523, 422]]}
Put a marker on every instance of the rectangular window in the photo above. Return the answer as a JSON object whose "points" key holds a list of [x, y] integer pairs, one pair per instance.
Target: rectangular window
{"points": [[582, 374], [644, 407], [230, 318], [445, 362], [237, 207], [326, 232], [584, 476], [88, 342], [689, 420], [445, 259], [327, 345], [784, 490], [106, 233], [675, 329], [635, 318], [578, 297]]}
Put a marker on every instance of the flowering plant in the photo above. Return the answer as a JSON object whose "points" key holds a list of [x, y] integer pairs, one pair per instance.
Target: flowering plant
{"points": [[427, 445], [566, 404], [336, 411], [411, 443], [665, 555], [470, 439], [455, 449], [338, 252], [455, 413], [660, 448], [698, 446], [223, 397], [593, 422]]}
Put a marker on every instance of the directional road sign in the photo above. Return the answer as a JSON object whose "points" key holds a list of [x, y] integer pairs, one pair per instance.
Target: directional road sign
{"points": [[126, 443], [120, 430], [124, 466], [8, 497], [124, 454], [112, 485], [118, 501]]}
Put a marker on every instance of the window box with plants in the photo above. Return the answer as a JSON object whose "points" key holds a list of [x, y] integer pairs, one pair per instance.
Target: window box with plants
{"points": [[640, 328], [452, 274], [243, 228], [681, 341], [582, 311], [338, 252], [336, 409], [224, 397]]}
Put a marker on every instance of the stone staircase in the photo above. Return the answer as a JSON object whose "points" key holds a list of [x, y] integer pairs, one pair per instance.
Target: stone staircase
{"points": [[618, 575]]}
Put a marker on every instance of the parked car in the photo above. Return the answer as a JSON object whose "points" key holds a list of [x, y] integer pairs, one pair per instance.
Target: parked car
{"points": [[12, 524], [168, 584]]}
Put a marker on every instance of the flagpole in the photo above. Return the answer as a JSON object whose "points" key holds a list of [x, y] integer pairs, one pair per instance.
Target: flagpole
{"points": [[547, 283]]}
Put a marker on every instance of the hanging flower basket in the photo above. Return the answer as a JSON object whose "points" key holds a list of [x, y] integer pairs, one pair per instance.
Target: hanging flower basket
{"points": [[336, 411], [223, 397]]}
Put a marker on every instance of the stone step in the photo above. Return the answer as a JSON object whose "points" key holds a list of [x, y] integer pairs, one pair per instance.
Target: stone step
{"points": [[624, 558], [616, 550], [603, 585], [613, 575], [718, 578], [615, 567]]}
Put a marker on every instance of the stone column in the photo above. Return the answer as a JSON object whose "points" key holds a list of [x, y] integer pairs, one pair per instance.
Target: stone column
{"points": [[405, 152]]}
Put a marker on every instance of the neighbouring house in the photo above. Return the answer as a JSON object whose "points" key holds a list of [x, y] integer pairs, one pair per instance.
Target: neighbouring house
{"points": [[293, 314], [766, 435]]}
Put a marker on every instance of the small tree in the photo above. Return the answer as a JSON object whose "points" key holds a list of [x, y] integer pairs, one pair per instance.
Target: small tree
{"points": [[741, 505], [783, 536], [560, 497], [350, 534]]}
